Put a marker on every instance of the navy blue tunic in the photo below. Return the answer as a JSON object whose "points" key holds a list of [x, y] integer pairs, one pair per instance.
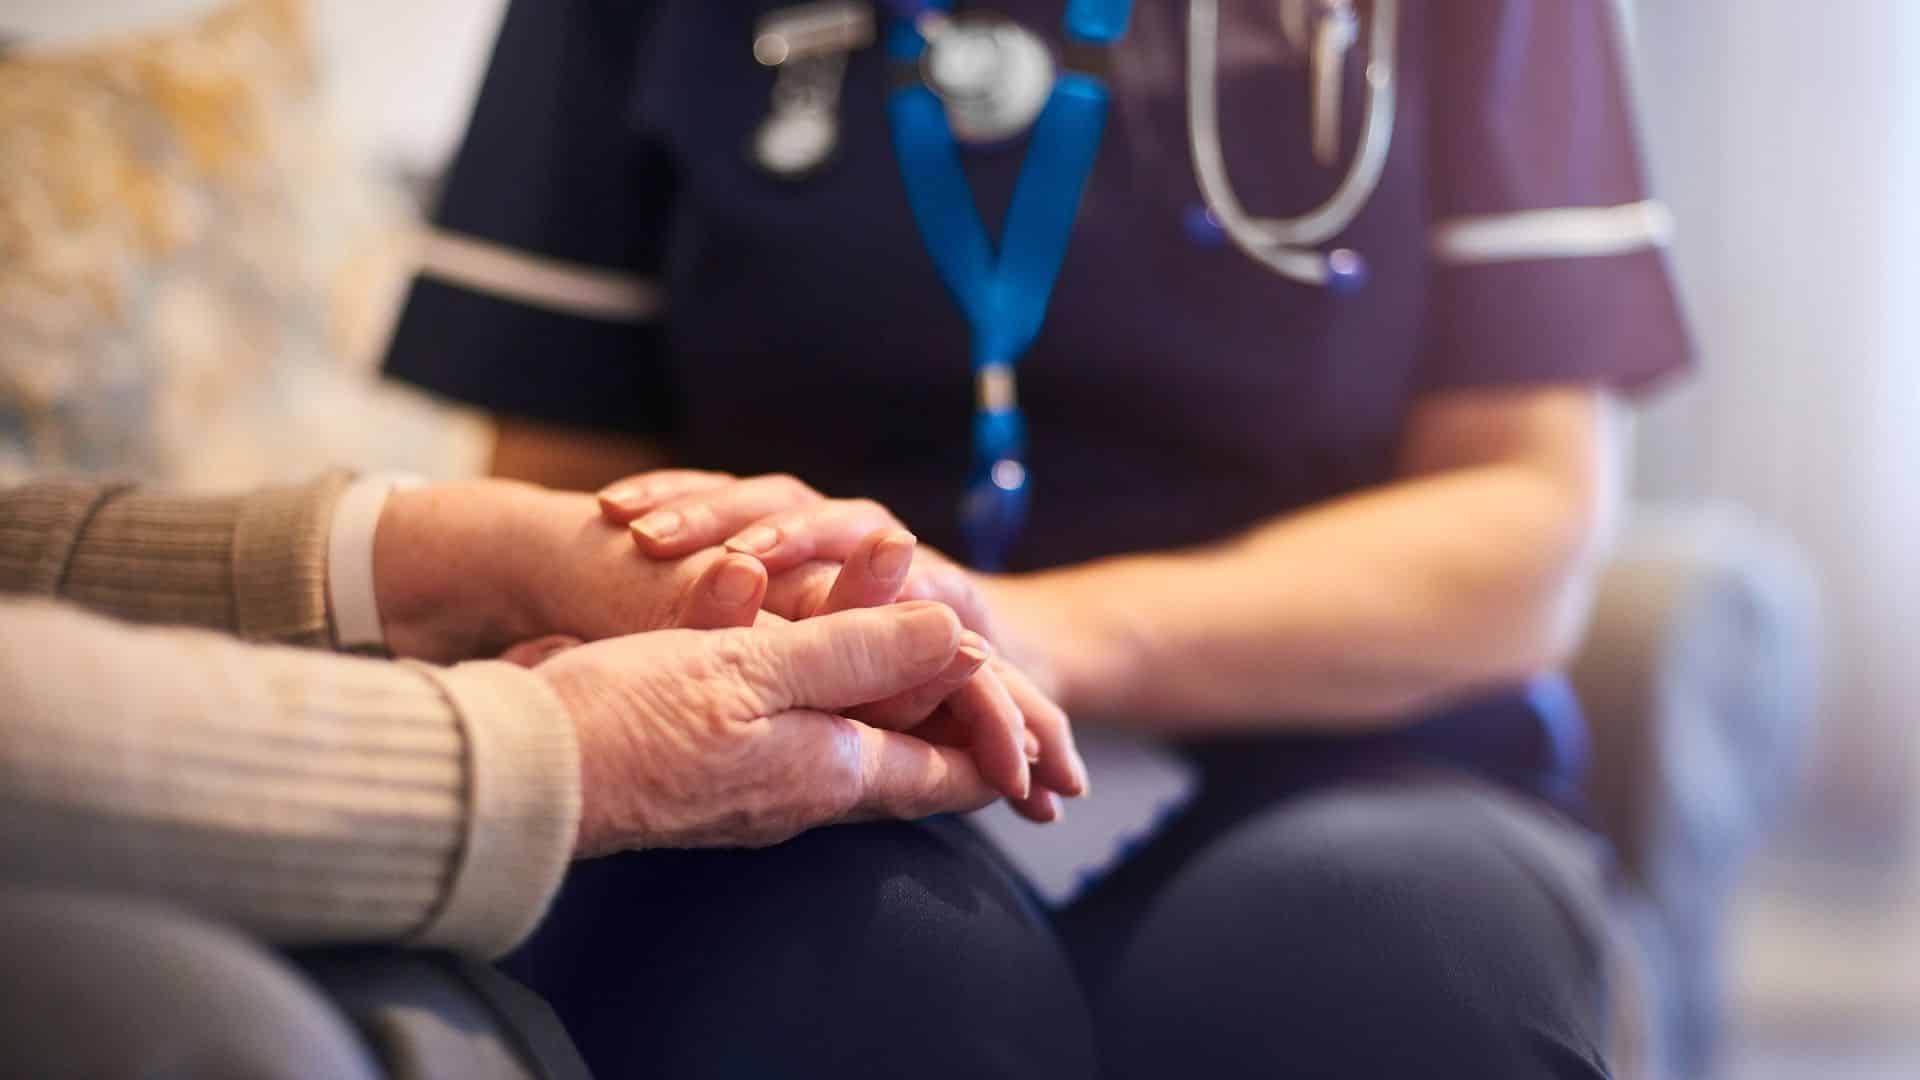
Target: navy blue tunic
{"points": [[1178, 392]]}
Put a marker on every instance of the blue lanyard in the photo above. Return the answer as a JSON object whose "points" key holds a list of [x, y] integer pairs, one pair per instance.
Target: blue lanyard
{"points": [[1004, 299]]}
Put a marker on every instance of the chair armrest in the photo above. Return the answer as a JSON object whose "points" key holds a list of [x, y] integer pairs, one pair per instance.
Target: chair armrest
{"points": [[1698, 680], [1698, 677]]}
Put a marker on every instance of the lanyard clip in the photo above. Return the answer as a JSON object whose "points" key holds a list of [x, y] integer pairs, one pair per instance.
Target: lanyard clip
{"points": [[993, 512], [994, 509]]}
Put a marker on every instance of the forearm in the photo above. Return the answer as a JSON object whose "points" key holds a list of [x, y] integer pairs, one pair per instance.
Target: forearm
{"points": [[1347, 615], [251, 565], [567, 459], [306, 797], [444, 557]]}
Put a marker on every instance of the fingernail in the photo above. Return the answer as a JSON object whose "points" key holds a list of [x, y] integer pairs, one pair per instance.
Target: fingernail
{"points": [[971, 642], [1084, 782], [659, 526], [972, 659], [756, 541], [892, 556], [622, 496], [735, 582], [1026, 780], [1032, 743]]}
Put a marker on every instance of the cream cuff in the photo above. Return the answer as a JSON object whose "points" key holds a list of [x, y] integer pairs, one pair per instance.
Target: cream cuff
{"points": [[523, 805], [350, 589]]}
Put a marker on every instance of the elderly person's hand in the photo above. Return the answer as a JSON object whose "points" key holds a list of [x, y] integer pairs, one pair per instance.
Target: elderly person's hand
{"points": [[740, 738], [801, 538]]}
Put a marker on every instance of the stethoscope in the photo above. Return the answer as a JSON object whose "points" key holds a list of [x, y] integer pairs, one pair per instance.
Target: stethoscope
{"points": [[1288, 245], [979, 79]]}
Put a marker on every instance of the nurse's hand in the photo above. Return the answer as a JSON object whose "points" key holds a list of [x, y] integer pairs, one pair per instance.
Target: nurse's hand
{"points": [[799, 534], [801, 537]]}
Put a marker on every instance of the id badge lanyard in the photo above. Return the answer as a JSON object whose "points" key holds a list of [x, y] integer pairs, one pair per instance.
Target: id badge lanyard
{"points": [[1003, 295]]}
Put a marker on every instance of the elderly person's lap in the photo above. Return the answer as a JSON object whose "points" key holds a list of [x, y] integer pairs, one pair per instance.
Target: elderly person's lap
{"points": [[110, 986]]}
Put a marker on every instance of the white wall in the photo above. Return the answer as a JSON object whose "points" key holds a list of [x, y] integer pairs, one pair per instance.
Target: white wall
{"points": [[1788, 146], [1789, 143], [402, 72], [405, 71]]}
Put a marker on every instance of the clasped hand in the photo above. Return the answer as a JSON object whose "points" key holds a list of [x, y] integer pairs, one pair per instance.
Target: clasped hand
{"points": [[726, 700]]}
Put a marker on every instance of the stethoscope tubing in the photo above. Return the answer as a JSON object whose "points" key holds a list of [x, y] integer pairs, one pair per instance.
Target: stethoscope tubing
{"points": [[1285, 243]]}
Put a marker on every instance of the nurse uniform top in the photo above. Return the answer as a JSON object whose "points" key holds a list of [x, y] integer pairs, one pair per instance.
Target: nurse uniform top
{"points": [[607, 255]]}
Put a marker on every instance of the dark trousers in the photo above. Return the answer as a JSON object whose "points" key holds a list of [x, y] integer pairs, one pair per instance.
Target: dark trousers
{"points": [[106, 988], [1411, 925]]}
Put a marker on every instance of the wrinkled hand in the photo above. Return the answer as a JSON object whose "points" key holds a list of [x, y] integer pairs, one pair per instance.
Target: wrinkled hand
{"points": [[741, 738], [801, 538], [472, 569]]}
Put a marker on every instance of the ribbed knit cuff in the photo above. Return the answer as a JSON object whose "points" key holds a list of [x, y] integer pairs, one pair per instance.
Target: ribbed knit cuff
{"points": [[523, 805], [252, 565], [157, 559], [280, 563], [39, 524]]}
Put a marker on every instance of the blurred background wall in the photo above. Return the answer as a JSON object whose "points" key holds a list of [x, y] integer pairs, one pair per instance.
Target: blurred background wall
{"points": [[1787, 138], [212, 228], [401, 72]]}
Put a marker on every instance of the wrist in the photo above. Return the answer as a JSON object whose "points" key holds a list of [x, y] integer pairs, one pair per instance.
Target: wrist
{"points": [[1073, 641], [592, 836], [443, 571], [353, 601]]}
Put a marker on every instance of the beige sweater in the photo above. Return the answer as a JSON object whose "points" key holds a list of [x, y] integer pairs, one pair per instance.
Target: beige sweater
{"points": [[305, 796]]}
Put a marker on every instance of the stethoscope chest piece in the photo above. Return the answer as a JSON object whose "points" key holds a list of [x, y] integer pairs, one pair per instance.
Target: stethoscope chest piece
{"points": [[993, 75]]}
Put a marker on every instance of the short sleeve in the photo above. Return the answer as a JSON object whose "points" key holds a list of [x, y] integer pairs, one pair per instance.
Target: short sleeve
{"points": [[1547, 251], [538, 292]]}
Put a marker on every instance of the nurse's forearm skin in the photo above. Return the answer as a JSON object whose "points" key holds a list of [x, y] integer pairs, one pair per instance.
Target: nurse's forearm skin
{"points": [[566, 458], [1474, 569]]}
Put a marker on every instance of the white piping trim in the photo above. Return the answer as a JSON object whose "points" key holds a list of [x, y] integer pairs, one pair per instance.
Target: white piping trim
{"points": [[1562, 233], [514, 275]]}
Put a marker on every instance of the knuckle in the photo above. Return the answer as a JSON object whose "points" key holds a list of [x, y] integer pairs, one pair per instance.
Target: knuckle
{"points": [[791, 487], [961, 583], [738, 665], [842, 778], [805, 588], [858, 655], [700, 517], [817, 781], [959, 588]]}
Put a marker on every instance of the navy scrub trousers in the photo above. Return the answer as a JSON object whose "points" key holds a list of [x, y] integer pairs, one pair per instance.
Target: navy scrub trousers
{"points": [[1411, 923]]}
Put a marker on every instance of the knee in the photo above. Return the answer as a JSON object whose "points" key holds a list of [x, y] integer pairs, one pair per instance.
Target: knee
{"points": [[874, 910], [114, 988], [1376, 935], [845, 946]]}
